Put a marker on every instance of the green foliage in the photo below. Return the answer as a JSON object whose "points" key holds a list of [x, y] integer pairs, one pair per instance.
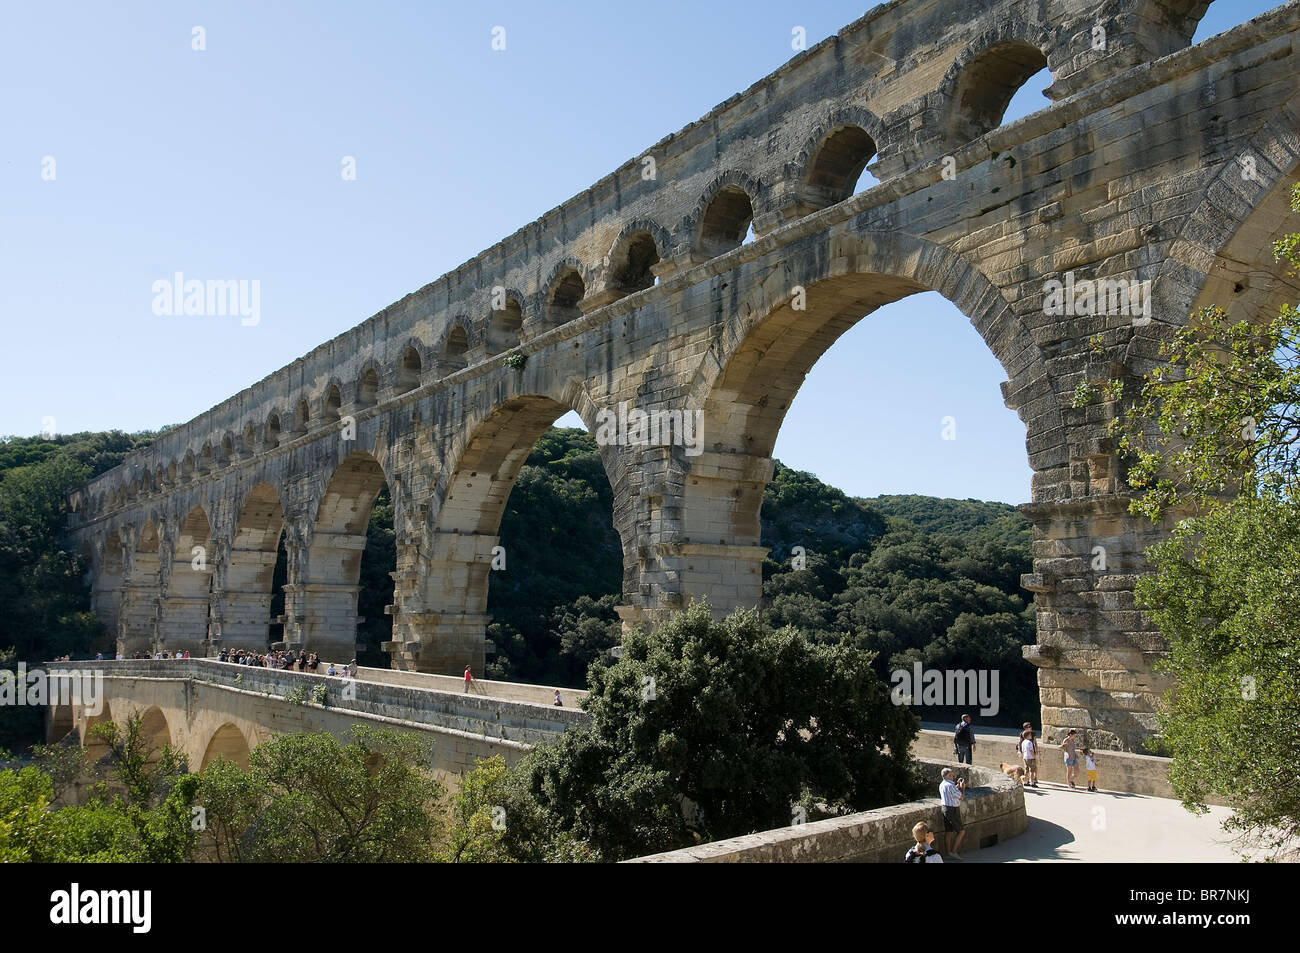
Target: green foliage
{"points": [[310, 798], [1221, 417], [378, 560], [1226, 594], [478, 816], [516, 360], [320, 694], [733, 717], [296, 695], [151, 825]]}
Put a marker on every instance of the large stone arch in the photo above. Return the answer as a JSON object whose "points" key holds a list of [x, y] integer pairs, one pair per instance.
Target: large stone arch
{"points": [[321, 604], [109, 565], [183, 621], [138, 618], [440, 611], [760, 358], [246, 593], [155, 732]]}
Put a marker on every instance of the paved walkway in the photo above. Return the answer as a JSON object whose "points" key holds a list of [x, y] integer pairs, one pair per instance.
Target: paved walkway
{"points": [[1075, 825]]}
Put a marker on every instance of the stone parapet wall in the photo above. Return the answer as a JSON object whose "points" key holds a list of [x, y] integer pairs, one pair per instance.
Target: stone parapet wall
{"points": [[993, 811]]}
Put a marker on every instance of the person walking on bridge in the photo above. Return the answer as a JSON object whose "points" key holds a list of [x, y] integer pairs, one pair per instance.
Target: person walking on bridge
{"points": [[963, 740], [469, 679]]}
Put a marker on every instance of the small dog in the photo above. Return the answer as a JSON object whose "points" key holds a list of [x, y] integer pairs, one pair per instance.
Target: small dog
{"points": [[1014, 771]]}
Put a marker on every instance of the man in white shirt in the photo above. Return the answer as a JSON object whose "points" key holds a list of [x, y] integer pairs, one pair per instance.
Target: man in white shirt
{"points": [[951, 794]]}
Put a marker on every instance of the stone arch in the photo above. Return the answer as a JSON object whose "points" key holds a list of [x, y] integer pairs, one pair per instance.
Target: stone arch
{"points": [[723, 215], [272, 430], [332, 400], [483, 465], [329, 593], [410, 367], [505, 324], [250, 569], [227, 743], [227, 448], [744, 387], [639, 246], [248, 445], [565, 289], [455, 346], [368, 384], [301, 416], [140, 594], [187, 467], [206, 462], [155, 732], [1170, 24], [978, 87], [106, 586], [187, 604], [834, 156]]}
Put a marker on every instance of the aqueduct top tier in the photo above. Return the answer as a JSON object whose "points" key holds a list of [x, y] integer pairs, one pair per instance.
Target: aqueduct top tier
{"points": [[1155, 162]]}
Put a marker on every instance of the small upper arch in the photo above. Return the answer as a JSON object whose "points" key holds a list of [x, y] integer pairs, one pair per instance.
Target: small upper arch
{"points": [[723, 214], [979, 85]]}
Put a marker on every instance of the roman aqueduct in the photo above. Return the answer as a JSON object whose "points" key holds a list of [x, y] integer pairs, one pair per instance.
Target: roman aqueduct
{"points": [[1155, 161]]}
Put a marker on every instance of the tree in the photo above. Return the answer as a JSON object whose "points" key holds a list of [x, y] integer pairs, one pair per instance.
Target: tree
{"points": [[706, 730], [478, 816], [1214, 439], [312, 798]]}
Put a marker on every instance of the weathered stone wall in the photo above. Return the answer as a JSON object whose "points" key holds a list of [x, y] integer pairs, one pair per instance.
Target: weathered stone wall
{"points": [[993, 811], [1171, 170]]}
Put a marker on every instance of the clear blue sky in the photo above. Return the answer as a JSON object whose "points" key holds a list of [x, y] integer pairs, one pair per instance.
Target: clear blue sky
{"points": [[226, 163]]}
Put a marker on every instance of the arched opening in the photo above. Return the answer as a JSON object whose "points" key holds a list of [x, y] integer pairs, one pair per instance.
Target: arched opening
{"points": [[329, 611], [368, 388], [247, 599], [878, 570], [985, 86], [408, 373], [206, 459], [516, 484], [562, 303], [187, 467], [140, 596], [333, 403], [273, 431], [227, 744], [631, 263], [839, 168], [249, 445], [301, 416], [726, 222], [504, 326], [106, 588], [456, 352], [155, 733], [227, 450], [186, 607]]}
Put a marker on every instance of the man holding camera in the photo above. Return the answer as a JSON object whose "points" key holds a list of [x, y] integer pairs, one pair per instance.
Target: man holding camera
{"points": [[951, 794]]}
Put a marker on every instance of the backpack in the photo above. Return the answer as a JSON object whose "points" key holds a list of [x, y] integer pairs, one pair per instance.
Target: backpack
{"points": [[961, 736], [919, 857]]}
